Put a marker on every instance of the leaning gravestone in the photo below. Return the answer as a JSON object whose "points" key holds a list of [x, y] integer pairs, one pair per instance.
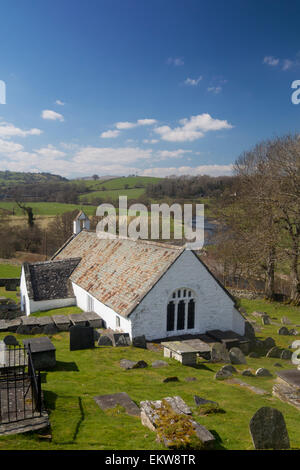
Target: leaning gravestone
{"points": [[223, 374], [274, 352], [236, 356], [286, 354], [219, 353], [262, 372], [81, 337], [268, 429]]}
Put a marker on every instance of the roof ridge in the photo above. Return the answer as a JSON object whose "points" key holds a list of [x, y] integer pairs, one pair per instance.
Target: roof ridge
{"points": [[109, 236], [36, 263]]}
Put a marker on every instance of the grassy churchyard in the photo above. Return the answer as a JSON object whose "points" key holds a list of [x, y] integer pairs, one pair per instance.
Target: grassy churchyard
{"points": [[78, 423]]}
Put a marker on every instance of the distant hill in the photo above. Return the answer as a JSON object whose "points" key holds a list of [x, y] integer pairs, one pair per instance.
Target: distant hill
{"points": [[16, 177]]}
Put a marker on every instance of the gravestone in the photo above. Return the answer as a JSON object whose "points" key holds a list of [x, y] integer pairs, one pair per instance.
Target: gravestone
{"points": [[170, 379], [105, 340], [202, 401], [93, 319], [81, 337], [139, 342], [78, 319], [274, 352], [106, 402], [229, 368], [283, 331], [219, 353], [223, 374], [11, 340], [62, 322], [293, 332], [127, 364], [42, 352], [286, 354], [236, 356], [265, 319], [269, 343], [121, 339], [268, 429], [50, 329], [249, 330], [262, 372], [247, 373]]}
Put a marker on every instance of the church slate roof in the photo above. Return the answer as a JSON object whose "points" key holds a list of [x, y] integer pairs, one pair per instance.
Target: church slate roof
{"points": [[48, 280], [118, 272]]}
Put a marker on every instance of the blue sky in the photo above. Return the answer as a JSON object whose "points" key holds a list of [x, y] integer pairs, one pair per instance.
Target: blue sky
{"points": [[154, 88]]}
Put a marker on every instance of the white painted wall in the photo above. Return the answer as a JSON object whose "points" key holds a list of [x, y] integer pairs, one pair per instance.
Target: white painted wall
{"points": [[214, 309], [106, 313], [30, 306]]}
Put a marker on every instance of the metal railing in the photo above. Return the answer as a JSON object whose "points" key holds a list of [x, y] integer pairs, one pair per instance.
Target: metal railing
{"points": [[20, 385]]}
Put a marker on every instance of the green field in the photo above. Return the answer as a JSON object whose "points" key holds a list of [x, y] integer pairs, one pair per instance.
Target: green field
{"points": [[113, 194], [9, 270], [47, 208], [78, 423], [119, 183]]}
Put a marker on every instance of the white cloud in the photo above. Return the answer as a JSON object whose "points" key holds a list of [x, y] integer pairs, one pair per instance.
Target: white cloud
{"points": [[212, 170], [8, 130], [192, 81], [164, 154], [130, 125], [52, 115], [110, 134], [215, 89], [59, 102], [270, 60], [287, 64], [50, 152], [6, 146], [108, 155], [177, 61], [150, 141], [192, 128]]}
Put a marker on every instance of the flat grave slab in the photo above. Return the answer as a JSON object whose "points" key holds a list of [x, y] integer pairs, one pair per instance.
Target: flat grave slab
{"points": [[42, 351], [12, 325], [229, 338], [81, 337], [286, 393], [106, 402], [258, 391], [181, 351], [93, 319], [29, 321], [78, 319], [290, 377], [198, 345], [3, 325], [62, 322], [44, 321]]}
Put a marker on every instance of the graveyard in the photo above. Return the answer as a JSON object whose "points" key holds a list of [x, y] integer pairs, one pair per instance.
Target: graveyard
{"points": [[78, 422]]}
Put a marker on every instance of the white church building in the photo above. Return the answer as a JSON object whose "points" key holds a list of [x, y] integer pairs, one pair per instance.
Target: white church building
{"points": [[135, 286]]}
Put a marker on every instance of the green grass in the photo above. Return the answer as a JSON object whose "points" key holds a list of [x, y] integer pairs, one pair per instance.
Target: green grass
{"points": [[48, 208], [10, 294], [119, 183], [78, 423], [57, 311], [113, 194], [9, 270]]}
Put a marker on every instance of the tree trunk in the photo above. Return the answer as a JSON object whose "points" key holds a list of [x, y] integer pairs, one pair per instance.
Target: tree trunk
{"points": [[270, 272], [295, 281]]}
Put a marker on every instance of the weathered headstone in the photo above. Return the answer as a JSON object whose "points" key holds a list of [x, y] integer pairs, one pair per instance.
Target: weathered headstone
{"points": [[105, 340], [265, 319], [219, 353], [269, 343], [286, 321], [293, 332], [283, 331], [50, 329], [121, 339], [247, 373], [62, 322], [202, 401], [139, 342], [236, 356], [81, 337], [286, 354], [262, 372], [229, 368], [274, 352], [127, 364], [268, 429], [223, 374]]}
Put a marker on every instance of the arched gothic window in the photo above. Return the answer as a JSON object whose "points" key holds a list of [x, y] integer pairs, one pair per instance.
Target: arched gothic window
{"points": [[181, 310]]}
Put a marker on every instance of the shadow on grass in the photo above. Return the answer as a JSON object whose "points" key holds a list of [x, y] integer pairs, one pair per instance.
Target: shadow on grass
{"points": [[81, 419], [200, 366], [66, 367], [50, 400], [218, 442]]}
